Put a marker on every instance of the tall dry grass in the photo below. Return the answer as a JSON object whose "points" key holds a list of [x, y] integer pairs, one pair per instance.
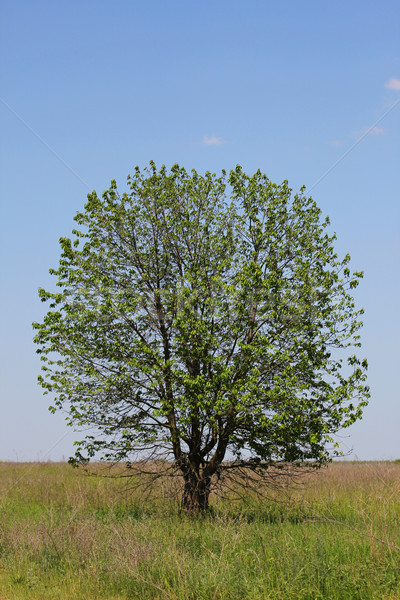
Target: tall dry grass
{"points": [[65, 535]]}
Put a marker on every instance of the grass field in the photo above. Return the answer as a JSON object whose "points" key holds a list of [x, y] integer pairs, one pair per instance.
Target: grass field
{"points": [[64, 535]]}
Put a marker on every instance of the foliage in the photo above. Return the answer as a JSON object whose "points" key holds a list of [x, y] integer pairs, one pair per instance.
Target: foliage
{"points": [[200, 319]]}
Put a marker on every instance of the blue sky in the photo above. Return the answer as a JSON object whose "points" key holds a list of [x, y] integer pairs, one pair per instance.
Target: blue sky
{"points": [[90, 89]]}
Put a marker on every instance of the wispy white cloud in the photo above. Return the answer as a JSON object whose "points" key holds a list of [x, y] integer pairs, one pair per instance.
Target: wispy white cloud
{"points": [[359, 135], [213, 140], [393, 84], [373, 130]]}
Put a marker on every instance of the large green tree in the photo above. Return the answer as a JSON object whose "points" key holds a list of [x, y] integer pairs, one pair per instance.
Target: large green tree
{"points": [[206, 320]]}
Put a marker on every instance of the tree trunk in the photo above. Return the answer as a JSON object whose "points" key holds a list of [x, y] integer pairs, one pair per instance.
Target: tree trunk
{"points": [[196, 492]]}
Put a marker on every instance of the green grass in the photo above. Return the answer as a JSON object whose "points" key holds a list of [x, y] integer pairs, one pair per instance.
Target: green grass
{"points": [[66, 536]]}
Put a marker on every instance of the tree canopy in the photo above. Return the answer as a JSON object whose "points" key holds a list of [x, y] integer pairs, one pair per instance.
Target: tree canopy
{"points": [[204, 320]]}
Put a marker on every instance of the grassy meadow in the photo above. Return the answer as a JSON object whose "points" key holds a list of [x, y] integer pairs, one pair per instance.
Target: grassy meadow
{"points": [[67, 536]]}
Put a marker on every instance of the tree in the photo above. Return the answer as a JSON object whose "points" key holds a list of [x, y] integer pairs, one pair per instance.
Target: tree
{"points": [[206, 320]]}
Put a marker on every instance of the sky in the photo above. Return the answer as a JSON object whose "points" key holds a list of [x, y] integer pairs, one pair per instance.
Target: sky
{"points": [[305, 91]]}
